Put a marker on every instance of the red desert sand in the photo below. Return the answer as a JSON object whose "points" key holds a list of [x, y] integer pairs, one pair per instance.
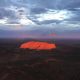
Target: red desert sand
{"points": [[38, 45]]}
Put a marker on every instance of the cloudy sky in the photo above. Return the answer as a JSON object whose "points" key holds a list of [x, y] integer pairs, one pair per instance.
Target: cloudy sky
{"points": [[40, 18]]}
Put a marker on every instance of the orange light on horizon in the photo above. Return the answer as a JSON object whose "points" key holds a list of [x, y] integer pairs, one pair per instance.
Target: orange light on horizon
{"points": [[52, 34]]}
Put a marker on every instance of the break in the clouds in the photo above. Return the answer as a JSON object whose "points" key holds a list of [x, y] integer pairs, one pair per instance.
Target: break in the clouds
{"points": [[57, 15]]}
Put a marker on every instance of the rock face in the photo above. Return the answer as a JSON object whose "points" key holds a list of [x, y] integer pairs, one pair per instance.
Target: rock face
{"points": [[38, 45]]}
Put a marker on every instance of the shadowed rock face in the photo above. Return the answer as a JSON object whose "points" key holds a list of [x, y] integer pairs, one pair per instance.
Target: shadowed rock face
{"points": [[38, 45]]}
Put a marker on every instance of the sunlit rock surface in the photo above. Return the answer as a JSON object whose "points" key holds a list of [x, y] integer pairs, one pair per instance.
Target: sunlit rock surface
{"points": [[38, 45]]}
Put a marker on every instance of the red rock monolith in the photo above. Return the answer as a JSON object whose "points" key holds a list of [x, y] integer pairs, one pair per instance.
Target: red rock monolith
{"points": [[38, 45]]}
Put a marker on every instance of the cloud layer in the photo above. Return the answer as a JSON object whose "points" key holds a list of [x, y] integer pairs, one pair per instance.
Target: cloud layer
{"points": [[39, 11], [56, 15]]}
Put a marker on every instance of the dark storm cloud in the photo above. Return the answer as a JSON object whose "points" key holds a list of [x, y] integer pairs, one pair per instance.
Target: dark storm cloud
{"points": [[76, 16], [38, 10], [50, 4], [6, 13], [50, 21]]}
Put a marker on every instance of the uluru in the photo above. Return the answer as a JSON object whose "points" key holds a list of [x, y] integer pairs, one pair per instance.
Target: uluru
{"points": [[36, 45]]}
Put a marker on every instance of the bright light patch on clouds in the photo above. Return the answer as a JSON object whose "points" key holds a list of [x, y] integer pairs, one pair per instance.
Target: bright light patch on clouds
{"points": [[24, 20], [54, 15], [3, 21], [21, 15]]}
